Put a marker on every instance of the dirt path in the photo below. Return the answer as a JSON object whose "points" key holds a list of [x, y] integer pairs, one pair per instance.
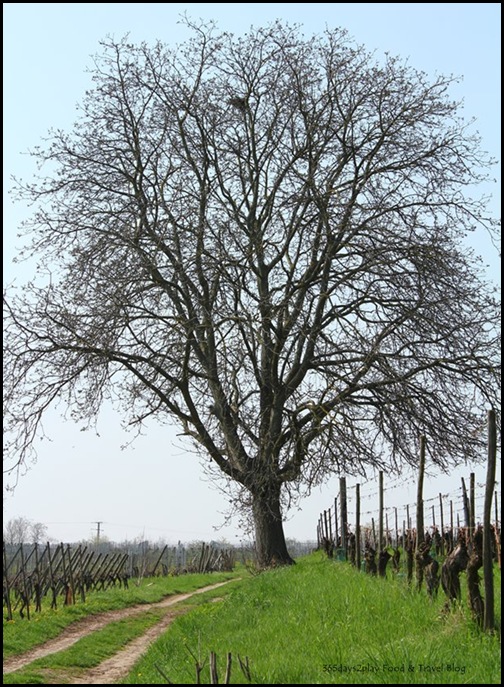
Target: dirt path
{"points": [[119, 665]]}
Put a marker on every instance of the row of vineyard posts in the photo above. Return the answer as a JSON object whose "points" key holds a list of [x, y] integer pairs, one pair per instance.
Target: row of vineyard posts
{"points": [[462, 546], [32, 573]]}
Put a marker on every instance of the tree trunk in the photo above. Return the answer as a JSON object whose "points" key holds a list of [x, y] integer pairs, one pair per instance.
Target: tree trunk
{"points": [[271, 548]]}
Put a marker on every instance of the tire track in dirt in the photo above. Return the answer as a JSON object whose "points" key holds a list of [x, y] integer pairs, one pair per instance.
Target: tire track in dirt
{"points": [[117, 666]]}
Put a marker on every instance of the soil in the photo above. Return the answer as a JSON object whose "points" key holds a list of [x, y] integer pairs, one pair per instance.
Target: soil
{"points": [[118, 666]]}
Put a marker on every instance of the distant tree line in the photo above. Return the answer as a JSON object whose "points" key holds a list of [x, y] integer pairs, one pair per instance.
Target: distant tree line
{"points": [[21, 530]]}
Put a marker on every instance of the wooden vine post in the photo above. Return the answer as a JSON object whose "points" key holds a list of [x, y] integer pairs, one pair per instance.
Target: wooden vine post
{"points": [[465, 499], [441, 525], [344, 516], [489, 620], [380, 513], [6, 585], [472, 506], [357, 528], [497, 532], [336, 521], [420, 515]]}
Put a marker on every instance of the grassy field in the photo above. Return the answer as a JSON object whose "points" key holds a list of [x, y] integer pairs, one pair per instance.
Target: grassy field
{"points": [[318, 622], [322, 622]]}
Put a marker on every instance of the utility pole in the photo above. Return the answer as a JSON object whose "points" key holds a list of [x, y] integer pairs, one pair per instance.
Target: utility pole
{"points": [[98, 524]]}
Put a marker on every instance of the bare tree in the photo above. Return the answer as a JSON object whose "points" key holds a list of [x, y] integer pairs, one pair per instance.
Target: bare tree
{"points": [[262, 238], [16, 531], [23, 531], [38, 532]]}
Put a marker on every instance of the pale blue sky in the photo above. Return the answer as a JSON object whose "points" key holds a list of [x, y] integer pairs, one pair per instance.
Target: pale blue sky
{"points": [[155, 489]]}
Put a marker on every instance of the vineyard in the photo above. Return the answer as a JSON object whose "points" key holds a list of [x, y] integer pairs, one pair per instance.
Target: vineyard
{"points": [[438, 552], [339, 527], [66, 573]]}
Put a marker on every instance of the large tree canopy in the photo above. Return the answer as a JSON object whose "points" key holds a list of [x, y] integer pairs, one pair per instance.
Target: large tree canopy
{"points": [[261, 237]]}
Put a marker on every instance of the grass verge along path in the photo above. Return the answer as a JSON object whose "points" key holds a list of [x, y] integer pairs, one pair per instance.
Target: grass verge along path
{"points": [[21, 635], [101, 649], [323, 622]]}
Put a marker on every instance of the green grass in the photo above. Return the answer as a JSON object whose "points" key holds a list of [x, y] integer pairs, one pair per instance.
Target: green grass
{"points": [[20, 635], [321, 622], [317, 622]]}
